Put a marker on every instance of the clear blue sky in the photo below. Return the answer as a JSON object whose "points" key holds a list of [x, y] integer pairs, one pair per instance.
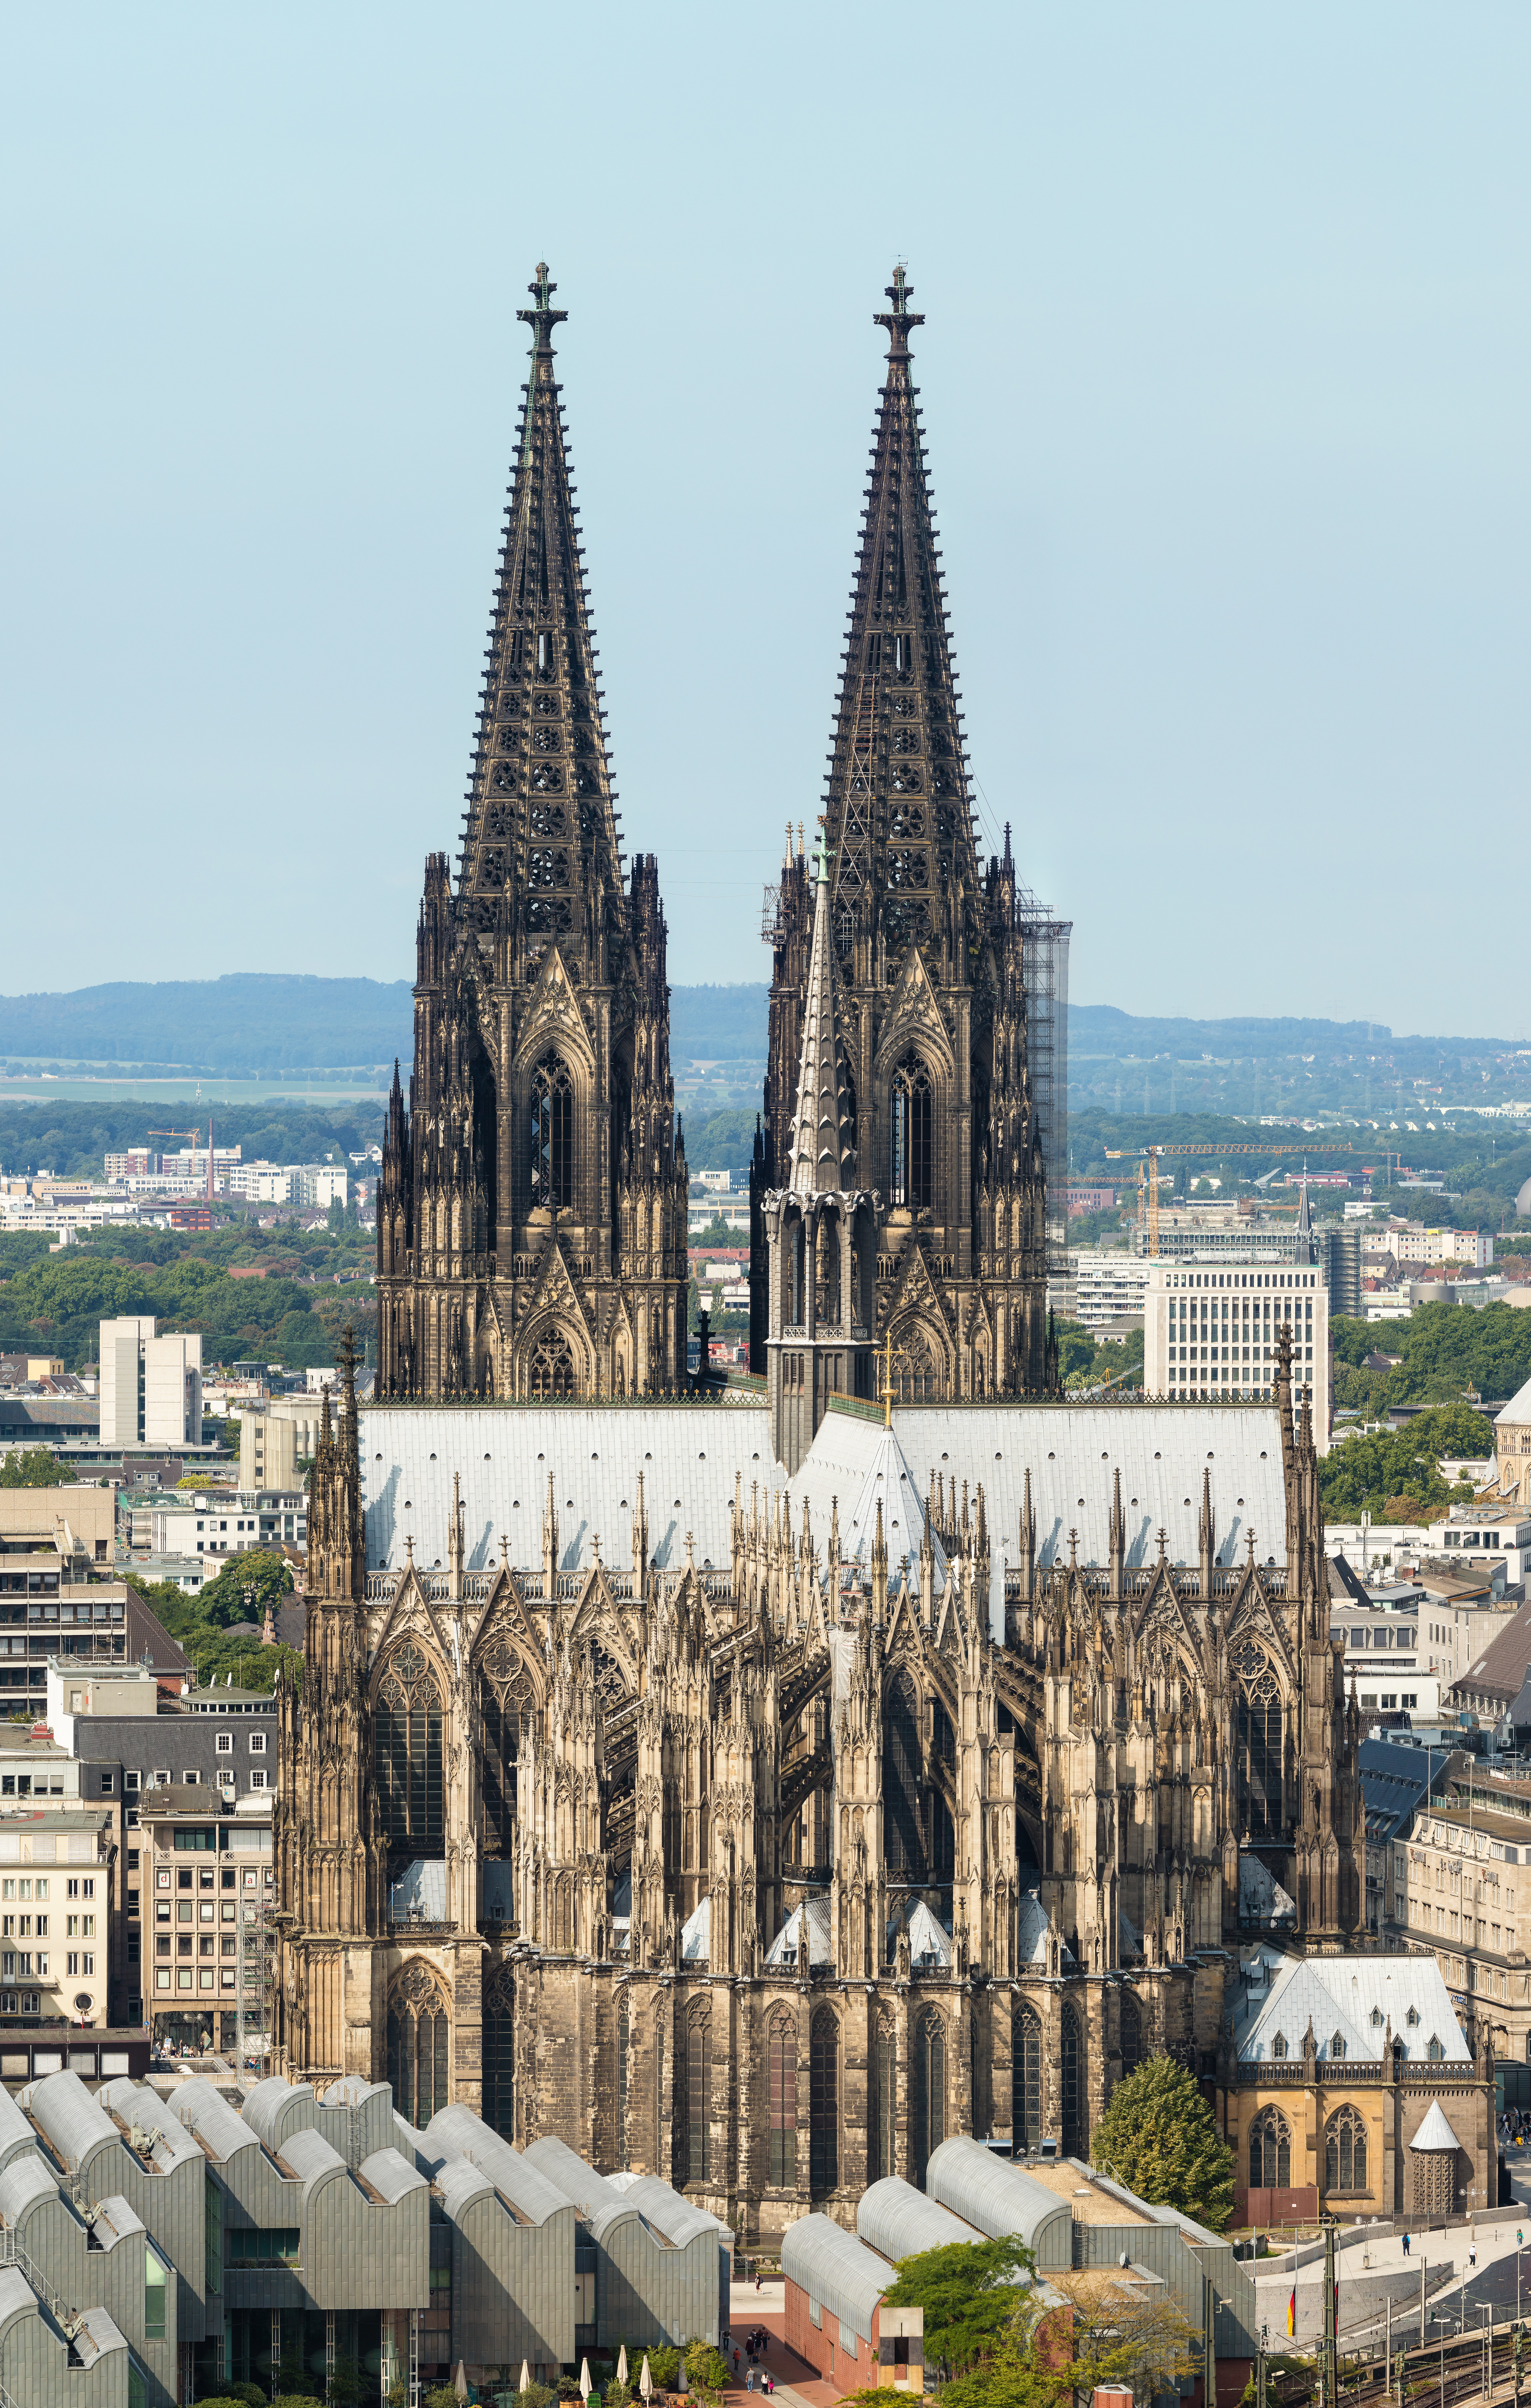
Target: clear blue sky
{"points": [[1225, 372]]}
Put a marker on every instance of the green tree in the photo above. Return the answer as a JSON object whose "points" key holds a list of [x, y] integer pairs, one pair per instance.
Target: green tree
{"points": [[967, 2289], [1126, 2333], [246, 1585], [1158, 2138], [33, 1467], [1383, 1469]]}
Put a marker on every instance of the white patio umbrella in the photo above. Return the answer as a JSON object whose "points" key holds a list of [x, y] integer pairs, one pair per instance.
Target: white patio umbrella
{"points": [[460, 2386], [646, 2381], [584, 2378], [622, 2363], [526, 2376]]}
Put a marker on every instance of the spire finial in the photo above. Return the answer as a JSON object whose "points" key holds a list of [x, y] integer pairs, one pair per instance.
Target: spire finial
{"points": [[544, 316], [901, 318]]}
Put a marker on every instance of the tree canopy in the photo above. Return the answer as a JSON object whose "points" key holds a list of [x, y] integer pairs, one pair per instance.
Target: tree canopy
{"points": [[1395, 1474], [1443, 1350], [33, 1467], [1158, 2138], [967, 2290]]}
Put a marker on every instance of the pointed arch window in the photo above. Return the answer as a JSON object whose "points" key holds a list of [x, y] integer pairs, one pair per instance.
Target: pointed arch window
{"points": [[1270, 2151], [407, 1753], [782, 2170], [552, 1131], [911, 1169], [1026, 2078], [693, 2086], [417, 2046], [824, 2102], [1132, 2032], [1260, 1743], [551, 1371], [930, 2092], [881, 2156], [499, 2056], [1072, 2086], [1345, 2152], [903, 1835]]}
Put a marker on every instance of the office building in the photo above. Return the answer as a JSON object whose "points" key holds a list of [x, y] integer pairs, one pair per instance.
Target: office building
{"points": [[151, 1387]]}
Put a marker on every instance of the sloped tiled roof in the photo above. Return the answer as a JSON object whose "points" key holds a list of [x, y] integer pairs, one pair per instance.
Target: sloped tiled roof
{"points": [[1502, 1668]]}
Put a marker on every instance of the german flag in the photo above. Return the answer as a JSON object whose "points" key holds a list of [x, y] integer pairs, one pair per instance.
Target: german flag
{"points": [[1292, 2311]]}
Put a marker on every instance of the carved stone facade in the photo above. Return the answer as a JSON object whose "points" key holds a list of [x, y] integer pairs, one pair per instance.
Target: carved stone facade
{"points": [[928, 945], [531, 1204], [766, 1875]]}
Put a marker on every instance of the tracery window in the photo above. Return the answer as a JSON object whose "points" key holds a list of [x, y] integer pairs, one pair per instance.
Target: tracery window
{"points": [[693, 2083], [929, 2087], [1345, 2152], [916, 1370], [1072, 2086], [551, 1134], [881, 2121], [1132, 2031], [500, 2055], [824, 2102], [407, 1751], [1026, 2077], [783, 2154], [551, 1372], [912, 1125], [904, 1836], [1270, 2151], [417, 2046], [1260, 1743]]}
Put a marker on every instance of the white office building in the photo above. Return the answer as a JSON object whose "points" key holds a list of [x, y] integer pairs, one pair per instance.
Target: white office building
{"points": [[1210, 1332], [151, 1387]]}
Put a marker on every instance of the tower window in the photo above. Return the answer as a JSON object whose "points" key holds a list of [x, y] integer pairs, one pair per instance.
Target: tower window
{"points": [[911, 1161], [551, 1134]]}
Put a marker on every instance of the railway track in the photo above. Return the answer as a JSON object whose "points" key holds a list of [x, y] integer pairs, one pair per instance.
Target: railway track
{"points": [[1443, 2373]]}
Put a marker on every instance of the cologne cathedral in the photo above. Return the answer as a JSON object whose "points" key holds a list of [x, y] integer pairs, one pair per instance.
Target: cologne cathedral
{"points": [[756, 1786]]}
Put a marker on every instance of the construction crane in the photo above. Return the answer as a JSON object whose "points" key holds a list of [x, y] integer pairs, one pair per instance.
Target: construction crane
{"points": [[194, 1134], [1147, 1170]]}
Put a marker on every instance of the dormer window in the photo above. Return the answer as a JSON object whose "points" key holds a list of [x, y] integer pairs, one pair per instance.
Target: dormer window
{"points": [[1336, 2046], [1278, 2046], [1412, 2017], [1434, 2050], [1377, 2018]]}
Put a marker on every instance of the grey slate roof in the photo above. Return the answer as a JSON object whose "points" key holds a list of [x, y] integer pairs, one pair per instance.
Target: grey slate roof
{"points": [[691, 1453], [1340, 1995]]}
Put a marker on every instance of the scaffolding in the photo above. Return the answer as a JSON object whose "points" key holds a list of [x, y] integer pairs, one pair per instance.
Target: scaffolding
{"points": [[1044, 943], [253, 1969]]}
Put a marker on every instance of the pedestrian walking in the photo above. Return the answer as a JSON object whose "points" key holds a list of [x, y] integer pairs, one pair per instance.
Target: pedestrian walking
{"points": [[1472, 2253], [1405, 2245]]}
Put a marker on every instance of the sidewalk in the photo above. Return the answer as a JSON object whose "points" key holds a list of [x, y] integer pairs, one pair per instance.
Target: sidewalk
{"points": [[798, 2385], [1367, 2269]]}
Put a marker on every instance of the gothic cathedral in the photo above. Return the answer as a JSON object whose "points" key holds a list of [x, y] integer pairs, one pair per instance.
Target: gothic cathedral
{"points": [[761, 1784]]}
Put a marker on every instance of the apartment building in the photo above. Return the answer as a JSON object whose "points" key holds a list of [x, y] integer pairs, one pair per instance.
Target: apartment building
{"points": [[1109, 1285], [220, 1523]]}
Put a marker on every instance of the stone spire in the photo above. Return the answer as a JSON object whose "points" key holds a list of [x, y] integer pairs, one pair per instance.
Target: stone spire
{"points": [[897, 806], [540, 843], [823, 1154]]}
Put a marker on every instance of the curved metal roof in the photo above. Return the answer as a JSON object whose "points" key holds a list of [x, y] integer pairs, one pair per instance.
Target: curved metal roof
{"points": [[600, 2204], [671, 2213], [142, 2109], [388, 2174], [16, 2133], [455, 2132], [460, 2184], [213, 2117], [311, 2158], [25, 2185], [15, 2295], [899, 2220], [265, 2106], [70, 2117], [837, 2270], [996, 2196], [352, 2091]]}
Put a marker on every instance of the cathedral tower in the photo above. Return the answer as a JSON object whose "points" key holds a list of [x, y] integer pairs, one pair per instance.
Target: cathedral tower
{"points": [[531, 1205], [929, 947]]}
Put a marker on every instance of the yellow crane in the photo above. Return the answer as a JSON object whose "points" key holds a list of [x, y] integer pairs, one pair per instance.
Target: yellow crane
{"points": [[1147, 1169]]}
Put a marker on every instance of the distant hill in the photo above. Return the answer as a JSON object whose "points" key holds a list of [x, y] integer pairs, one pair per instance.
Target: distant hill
{"points": [[1118, 1061], [246, 1022]]}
